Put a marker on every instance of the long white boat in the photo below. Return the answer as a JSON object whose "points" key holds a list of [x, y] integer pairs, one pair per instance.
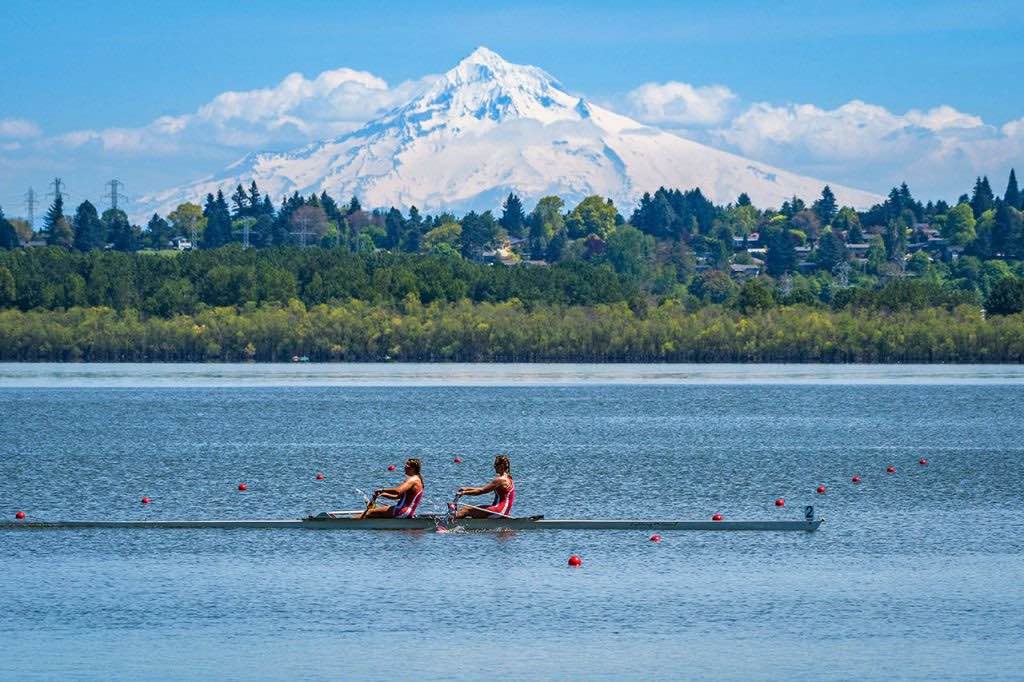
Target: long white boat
{"points": [[326, 521]]}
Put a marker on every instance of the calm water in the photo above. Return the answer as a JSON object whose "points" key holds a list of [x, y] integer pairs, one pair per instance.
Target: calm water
{"points": [[919, 574]]}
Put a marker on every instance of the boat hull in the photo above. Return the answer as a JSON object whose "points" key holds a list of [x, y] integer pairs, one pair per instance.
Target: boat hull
{"points": [[433, 523]]}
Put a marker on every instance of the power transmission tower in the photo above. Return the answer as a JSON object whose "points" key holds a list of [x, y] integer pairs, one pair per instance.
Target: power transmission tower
{"points": [[30, 205], [303, 222], [113, 194], [246, 230], [58, 192]]}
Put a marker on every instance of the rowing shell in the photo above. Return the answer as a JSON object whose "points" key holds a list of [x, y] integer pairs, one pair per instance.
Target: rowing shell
{"points": [[431, 522]]}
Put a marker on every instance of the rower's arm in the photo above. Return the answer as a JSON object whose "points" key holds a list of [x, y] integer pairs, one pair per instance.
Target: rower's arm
{"points": [[395, 493], [480, 490], [387, 493]]}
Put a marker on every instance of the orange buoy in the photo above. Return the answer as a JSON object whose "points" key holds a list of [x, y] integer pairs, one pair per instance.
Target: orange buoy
{"points": [[779, 502], [457, 460], [821, 490], [890, 469], [575, 561], [716, 517], [391, 467], [855, 479], [320, 476], [922, 461], [19, 515], [146, 500], [243, 487], [655, 538]]}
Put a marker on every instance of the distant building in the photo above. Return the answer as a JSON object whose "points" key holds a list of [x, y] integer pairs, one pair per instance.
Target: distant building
{"points": [[180, 243], [744, 271]]}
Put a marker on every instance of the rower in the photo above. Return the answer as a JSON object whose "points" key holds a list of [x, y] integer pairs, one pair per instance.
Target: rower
{"points": [[503, 487], [408, 496]]}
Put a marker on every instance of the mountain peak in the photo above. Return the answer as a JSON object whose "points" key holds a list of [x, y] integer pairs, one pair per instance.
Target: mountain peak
{"points": [[483, 55], [485, 87]]}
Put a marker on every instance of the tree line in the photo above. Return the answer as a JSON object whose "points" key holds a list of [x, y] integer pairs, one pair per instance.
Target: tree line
{"points": [[676, 247], [513, 331]]}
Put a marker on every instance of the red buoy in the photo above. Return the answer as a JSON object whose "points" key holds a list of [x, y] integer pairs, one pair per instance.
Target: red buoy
{"points": [[855, 479], [780, 502], [922, 461], [319, 476], [575, 561], [146, 500], [391, 467], [243, 487], [19, 515], [716, 517], [655, 538], [821, 490], [457, 460], [890, 469]]}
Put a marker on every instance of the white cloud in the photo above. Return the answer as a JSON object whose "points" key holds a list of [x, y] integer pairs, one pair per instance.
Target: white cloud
{"points": [[939, 150], [674, 103], [18, 127], [295, 111]]}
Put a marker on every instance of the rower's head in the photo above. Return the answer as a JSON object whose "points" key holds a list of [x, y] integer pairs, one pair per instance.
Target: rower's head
{"points": [[412, 467], [502, 465]]}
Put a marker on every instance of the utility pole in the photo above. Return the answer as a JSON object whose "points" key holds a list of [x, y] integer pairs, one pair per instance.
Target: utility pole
{"points": [[30, 205], [113, 195]]}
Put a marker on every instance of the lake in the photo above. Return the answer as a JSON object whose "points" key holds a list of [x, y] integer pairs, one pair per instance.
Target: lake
{"points": [[916, 574]]}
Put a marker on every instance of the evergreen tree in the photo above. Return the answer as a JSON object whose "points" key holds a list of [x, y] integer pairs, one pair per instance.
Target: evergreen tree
{"points": [[330, 207], [414, 230], [478, 231], [982, 199], [255, 200], [218, 221], [825, 207], [54, 214], [1008, 232], [512, 217], [831, 250], [743, 200], [1012, 196], [354, 205], [781, 256], [90, 232], [61, 234], [8, 235], [120, 233], [394, 227], [158, 232], [240, 202]]}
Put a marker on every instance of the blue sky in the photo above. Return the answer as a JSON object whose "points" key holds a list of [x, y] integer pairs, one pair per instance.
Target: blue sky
{"points": [[787, 73]]}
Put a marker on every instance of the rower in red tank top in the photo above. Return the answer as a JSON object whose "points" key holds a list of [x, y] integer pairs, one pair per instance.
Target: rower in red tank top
{"points": [[503, 487], [407, 496]]}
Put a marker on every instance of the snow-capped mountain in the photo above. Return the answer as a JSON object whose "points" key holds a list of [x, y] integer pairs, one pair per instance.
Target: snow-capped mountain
{"points": [[488, 127]]}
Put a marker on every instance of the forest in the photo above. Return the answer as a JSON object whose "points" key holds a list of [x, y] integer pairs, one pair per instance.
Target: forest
{"points": [[677, 279]]}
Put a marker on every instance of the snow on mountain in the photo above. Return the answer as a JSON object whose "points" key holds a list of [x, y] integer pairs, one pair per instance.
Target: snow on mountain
{"points": [[488, 127]]}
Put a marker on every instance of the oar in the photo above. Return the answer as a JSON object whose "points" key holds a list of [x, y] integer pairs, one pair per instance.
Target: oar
{"points": [[489, 511]]}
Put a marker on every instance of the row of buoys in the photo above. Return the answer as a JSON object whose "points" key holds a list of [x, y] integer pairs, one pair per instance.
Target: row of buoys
{"points": [[575, 561]]}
